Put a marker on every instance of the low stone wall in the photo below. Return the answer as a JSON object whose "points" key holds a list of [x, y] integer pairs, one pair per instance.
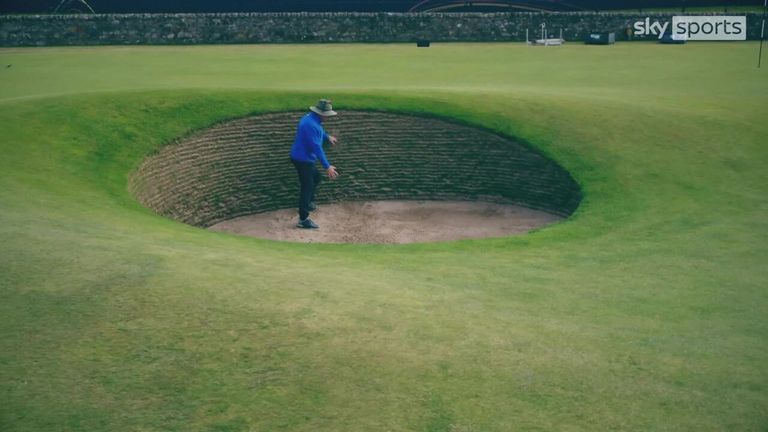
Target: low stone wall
{"points": [[233, 28], [242, 167]]}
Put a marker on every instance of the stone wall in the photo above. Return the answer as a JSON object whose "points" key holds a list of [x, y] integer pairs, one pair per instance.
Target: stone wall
{"points": [[242, 167], [233, 28]]}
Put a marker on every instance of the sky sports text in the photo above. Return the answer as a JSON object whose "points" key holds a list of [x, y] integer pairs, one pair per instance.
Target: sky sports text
{"points": [[696, 27]]}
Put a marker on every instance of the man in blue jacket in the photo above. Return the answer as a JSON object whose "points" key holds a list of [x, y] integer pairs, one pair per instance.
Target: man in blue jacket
{"points": [[307, 149]]}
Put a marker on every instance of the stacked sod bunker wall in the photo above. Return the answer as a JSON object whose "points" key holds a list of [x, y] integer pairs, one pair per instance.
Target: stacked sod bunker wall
{"points": [[242, 167], [233, 28]]}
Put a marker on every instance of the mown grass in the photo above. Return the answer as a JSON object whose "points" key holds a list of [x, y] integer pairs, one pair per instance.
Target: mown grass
{"points": [[645, 311]]}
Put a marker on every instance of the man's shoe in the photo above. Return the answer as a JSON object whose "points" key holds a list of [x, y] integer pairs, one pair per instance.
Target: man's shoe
{"points": [[312, 207], [307, 224]]}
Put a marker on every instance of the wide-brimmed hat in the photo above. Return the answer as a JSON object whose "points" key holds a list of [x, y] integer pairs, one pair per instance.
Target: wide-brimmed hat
{"points": [[324, 108]]}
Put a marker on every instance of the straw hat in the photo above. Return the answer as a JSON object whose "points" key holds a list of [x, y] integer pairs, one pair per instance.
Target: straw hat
{"points": [[324, 108]]}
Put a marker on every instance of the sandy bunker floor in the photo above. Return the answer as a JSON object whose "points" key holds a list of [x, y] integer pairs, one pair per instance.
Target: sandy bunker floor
{"points": [[393, 222]]}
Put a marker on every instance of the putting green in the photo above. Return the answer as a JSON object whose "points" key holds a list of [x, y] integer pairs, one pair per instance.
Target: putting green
{"points": [[645, 310]]}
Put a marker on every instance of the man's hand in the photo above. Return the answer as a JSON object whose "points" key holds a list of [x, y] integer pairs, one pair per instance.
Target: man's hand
{"points": [[332, 173], [333, 140]]}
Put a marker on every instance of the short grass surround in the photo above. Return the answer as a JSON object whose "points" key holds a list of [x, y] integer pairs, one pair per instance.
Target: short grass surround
{"points": [[645, 310], [241, 167]]}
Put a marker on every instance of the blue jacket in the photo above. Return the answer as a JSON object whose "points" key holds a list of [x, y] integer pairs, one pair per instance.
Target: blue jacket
{"points": [[308, 145]]}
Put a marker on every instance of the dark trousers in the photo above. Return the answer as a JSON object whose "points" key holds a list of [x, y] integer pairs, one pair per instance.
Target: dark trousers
{"points": [[309, 178]]}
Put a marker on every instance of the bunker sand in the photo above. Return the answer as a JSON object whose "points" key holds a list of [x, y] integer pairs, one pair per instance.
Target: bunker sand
{"points": [[393, 222]]}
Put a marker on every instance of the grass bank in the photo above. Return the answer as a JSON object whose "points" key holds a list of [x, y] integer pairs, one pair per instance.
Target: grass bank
{"points": [[645, 311]]}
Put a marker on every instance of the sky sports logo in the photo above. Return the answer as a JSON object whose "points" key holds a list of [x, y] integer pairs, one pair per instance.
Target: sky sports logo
{"points": [[710, 28]]}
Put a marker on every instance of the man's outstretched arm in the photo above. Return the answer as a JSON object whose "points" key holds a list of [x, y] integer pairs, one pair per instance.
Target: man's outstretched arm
{"points": [[318, 145]]}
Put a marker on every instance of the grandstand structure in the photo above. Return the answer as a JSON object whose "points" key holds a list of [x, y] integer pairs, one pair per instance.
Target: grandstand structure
{"points": [[199, 6]]}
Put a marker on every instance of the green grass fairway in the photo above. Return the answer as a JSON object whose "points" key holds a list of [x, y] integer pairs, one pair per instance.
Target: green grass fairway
{"points": [[646, 311]]}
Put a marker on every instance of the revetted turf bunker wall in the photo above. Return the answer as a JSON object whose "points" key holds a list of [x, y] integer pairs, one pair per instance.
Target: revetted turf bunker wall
{"points": [[242, 167]]}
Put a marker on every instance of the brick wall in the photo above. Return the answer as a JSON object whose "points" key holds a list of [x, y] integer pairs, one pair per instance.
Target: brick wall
{"points": [[242, 167], [233, 28]]}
